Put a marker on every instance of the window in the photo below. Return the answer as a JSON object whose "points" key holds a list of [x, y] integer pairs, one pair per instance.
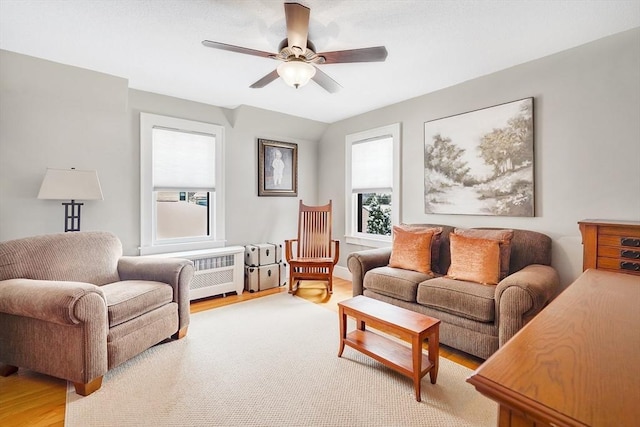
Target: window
{"points": [[181, 184], [372, 185]]}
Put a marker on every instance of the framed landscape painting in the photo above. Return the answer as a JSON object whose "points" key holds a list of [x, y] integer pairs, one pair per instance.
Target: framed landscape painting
{"points": [[481, 162], [277, 168]]}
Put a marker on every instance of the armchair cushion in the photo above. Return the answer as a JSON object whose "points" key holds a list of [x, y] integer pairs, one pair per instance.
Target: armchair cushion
{"points": [[132, 298], [177, 273]]}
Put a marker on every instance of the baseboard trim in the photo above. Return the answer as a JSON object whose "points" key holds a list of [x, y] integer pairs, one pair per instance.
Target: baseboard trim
{"points": [[342, 272]]}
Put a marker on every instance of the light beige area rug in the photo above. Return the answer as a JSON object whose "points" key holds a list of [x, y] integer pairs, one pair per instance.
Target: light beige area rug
{"points": [[272, 361]]}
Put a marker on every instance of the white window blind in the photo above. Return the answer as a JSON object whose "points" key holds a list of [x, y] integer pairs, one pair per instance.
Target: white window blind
{"points": [[372, 166], [183, 160]]}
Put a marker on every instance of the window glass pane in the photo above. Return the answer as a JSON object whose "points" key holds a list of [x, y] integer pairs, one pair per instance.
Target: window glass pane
{"points": [[374, 213], [183, 160], [181, 214], [372, 165]]}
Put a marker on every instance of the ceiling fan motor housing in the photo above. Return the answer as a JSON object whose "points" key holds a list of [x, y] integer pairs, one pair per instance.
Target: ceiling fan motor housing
{"points": [[284, 44]]}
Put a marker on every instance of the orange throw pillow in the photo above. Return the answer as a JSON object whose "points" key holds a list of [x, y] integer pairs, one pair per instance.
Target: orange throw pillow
{"points": [[503, 236], [411, 249], [435, 243], [474, 260]]}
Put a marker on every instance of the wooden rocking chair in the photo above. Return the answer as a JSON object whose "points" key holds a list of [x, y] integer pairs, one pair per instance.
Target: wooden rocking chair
{"points": [[315, 252]]}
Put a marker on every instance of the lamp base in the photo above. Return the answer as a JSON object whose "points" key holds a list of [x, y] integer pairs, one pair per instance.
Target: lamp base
{"points": [[72, 216]]}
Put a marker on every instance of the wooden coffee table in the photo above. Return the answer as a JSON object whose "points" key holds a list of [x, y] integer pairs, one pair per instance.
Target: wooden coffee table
{"points": [[395, 320]]}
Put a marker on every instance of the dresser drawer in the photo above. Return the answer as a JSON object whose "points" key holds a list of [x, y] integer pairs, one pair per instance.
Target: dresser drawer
{"points": [[621, 252], [619, 265], [619, 231], [611, 245], [621, 241]]}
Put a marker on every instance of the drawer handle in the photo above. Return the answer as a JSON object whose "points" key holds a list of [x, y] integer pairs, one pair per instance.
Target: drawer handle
{"points": [[632, 266], [630, 241], [629, 254]]}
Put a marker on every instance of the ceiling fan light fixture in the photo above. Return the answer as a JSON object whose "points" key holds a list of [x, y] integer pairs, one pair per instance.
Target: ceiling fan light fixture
{"points": [[296, 72]]}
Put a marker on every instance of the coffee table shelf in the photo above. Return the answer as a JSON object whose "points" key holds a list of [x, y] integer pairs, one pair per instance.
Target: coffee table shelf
{"points": [[388, 352], [417, 327]]}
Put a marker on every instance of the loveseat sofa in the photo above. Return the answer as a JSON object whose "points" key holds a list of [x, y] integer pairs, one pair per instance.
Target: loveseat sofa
{"points": [[476, 318], [72, 306]]}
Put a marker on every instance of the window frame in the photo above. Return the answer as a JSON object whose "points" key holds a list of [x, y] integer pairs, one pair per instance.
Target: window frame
{"points": [[149, 244], [353, 236]]}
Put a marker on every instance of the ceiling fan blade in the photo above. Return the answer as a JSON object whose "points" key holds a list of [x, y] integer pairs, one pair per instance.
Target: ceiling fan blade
{"points": [[265, 80], [237, 49], [367, 54], [297, 25], [326, 82]]}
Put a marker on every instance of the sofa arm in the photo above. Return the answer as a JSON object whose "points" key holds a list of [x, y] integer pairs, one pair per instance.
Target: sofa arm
{"points": [[65, 303], [176, 272], [522, 295], [362, 261]]}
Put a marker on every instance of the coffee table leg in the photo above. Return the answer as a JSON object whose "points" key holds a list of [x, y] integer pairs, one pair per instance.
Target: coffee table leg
{"points": [[434, 353], [416, 350], [343, 329]]}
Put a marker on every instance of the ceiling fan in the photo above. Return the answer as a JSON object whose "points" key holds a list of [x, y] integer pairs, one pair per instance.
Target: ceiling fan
{"points": [[298, 54]]}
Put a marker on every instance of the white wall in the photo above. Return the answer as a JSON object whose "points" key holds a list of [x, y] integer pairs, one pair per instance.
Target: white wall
{"points": [[587, 143], [54, 115], [57, 116], [587, 147]]}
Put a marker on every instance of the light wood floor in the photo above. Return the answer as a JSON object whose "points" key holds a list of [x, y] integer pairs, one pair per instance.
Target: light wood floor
{"points": [[28, 398]]}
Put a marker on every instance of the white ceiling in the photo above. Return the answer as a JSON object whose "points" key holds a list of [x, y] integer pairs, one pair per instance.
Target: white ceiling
{"points": [[156, 44]]}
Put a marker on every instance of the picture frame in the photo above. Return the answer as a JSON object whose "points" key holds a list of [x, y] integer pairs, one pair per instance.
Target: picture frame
{"points": [[277, 168], [481, 162]]}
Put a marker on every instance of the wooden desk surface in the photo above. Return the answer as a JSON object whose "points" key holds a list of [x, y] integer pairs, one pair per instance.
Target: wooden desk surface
{"points": [[578, 361]]}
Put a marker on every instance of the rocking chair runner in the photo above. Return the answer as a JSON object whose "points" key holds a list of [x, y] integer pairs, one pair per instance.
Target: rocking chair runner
{"points": [[315, 252]]}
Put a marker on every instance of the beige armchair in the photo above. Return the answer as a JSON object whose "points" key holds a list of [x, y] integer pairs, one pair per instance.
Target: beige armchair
{"points": [[71, 306]]}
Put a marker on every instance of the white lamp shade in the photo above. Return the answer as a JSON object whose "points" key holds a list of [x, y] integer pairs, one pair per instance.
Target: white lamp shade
{"points": [[70, 184], [296, 73]]}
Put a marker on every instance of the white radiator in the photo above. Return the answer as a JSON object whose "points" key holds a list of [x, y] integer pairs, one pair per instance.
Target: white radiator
{"points": [[217, 271]]}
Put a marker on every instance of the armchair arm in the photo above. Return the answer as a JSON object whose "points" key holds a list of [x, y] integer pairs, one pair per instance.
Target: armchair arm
{"points": [[288, 248], [65, 303], [362, 261], [522, 295], [176, 272]]}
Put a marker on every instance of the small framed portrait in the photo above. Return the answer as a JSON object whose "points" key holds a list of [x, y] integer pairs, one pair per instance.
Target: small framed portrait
{"points": [[277, 168]]}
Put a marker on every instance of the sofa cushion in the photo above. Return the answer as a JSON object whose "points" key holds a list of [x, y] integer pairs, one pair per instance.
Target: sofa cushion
{"points": [[132, 298], [395, 282], [465, 299], [411, 249], [474, 260], [503, 236]]}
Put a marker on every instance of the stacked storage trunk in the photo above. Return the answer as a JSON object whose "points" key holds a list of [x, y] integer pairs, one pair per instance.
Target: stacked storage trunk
{"points": [[263, 267]]}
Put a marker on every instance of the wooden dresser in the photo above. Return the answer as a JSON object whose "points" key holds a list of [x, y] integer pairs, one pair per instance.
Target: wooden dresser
{"points": [[611, 245], [576, 363]]}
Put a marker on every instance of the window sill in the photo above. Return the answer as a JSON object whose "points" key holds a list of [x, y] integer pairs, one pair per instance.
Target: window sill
{"points": [[180, 247], [369, 241]]}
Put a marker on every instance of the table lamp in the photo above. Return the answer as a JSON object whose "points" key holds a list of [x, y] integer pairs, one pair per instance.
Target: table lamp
{"points": [[71, 184]]}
